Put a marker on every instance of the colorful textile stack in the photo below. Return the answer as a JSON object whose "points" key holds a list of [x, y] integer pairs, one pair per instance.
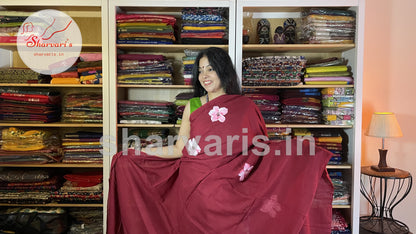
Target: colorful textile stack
{"points": [[301, 106], [331, 71], [80, 188], [188, 64], [83, 107], [145, 29], [333, 140], [86, 220], [338, 106], [339, 225], [277, 134], [273, 70], [27, 186], [34, 105], [325, 25], [88, 70], [180, 101], [146, 112], [204, 26], [29, 146], [144, 69], [82, 147], [18, 75], [341, 191], [147, 136], [268, 105], [10, 22]]}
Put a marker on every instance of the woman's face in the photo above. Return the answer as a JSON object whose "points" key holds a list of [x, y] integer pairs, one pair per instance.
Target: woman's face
{"points": [[208, 77]]}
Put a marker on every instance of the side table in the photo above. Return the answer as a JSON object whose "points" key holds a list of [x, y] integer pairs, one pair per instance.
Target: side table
{"points": [[384, 190]]}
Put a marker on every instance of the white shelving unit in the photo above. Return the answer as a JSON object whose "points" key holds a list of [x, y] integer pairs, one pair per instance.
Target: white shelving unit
{"points": [[280, 10]]}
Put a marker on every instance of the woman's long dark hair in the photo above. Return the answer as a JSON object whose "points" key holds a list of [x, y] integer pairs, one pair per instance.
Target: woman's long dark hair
{"points": [[221, 62]]}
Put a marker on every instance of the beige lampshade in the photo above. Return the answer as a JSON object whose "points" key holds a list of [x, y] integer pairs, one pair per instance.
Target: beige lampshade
{"points": [[384, 124]]}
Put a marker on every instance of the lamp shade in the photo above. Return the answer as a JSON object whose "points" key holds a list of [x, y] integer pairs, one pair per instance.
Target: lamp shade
{"points": [[385, 125]]}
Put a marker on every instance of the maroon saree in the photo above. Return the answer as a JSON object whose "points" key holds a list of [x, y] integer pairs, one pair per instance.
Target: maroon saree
{"points": [[288, 190]]}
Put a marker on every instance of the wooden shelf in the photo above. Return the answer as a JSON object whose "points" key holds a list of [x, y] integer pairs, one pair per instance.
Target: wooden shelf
{"points": [[306, 48], [52, 205], [173, 48], [307, 126], [52, 85], [148, 125], [55, 165], [341, 206], [54, 124], [342, 166], [156, 86]]}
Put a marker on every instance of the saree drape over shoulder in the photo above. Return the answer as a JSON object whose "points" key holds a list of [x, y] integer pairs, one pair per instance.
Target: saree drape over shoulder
{"points": [[288, 190]]}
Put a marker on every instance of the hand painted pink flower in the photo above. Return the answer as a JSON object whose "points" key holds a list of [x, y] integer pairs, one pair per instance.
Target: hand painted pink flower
{"points": [[245, 171], [192, 147], [271, 206], [217, 114]]}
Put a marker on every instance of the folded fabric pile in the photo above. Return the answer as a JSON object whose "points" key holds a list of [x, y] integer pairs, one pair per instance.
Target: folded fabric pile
{"points": [[88, 70], [84, 187], [328, 25], [82, 147], [145, 29], [146, 112], [85, 107], [273, 70], [18, 75], [29, 146], [34, 105], [180, 101], [301, 106], [278, 134], [86, 220], [333, 140], [339, 225], [331, 71], [144, 69], [10, 22], [188, 64], [338, 106], [341, 189], [268, 105], [204, 26], [19, 186], [143, 137]]}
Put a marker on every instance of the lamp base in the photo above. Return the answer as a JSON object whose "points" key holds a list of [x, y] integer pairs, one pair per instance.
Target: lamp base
{"points": [[382, 169]]}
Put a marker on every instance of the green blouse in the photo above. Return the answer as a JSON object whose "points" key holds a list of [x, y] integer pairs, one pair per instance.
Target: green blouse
{"points": [[195, 103]]}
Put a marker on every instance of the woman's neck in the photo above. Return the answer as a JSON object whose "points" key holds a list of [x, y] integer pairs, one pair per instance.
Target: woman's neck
{"points": [[212, 96]]}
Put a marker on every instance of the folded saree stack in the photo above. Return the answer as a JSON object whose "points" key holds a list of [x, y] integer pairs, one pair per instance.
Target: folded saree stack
{"points": [[29, 146], [268, 105], [80, 188], [338, 106], [325, 25], [82, 147], [277, 134], [143, 137], [331, 71], [146, 112], [145, 29], [86, 220], [10, 22], [85, 107], [18, 75], [339, 225], [204, 26], [188, 63], [33, 105], [273, 70], [27, 186], [69, 76], [301, 106], [144, 69], [180, 101], [341, 188]]}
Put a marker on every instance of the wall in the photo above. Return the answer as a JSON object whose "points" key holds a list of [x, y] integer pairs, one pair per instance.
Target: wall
{"points": [[389, 85]]}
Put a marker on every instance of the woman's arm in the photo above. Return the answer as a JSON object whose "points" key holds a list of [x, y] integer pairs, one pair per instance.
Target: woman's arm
{"points": [[174, 151]]}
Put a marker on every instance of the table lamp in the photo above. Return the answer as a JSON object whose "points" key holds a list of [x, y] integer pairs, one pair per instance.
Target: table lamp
{"points": [[384, 125]]}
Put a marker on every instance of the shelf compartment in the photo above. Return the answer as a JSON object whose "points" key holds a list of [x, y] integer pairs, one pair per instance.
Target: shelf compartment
{"points": [[307, 126], [175, 48], [156, 86], [300, 86], [316, 48], [55, 124], [51, 85]]}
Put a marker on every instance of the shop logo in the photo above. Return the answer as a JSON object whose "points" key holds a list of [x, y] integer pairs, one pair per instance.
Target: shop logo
{"points": [[49, 42]]}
